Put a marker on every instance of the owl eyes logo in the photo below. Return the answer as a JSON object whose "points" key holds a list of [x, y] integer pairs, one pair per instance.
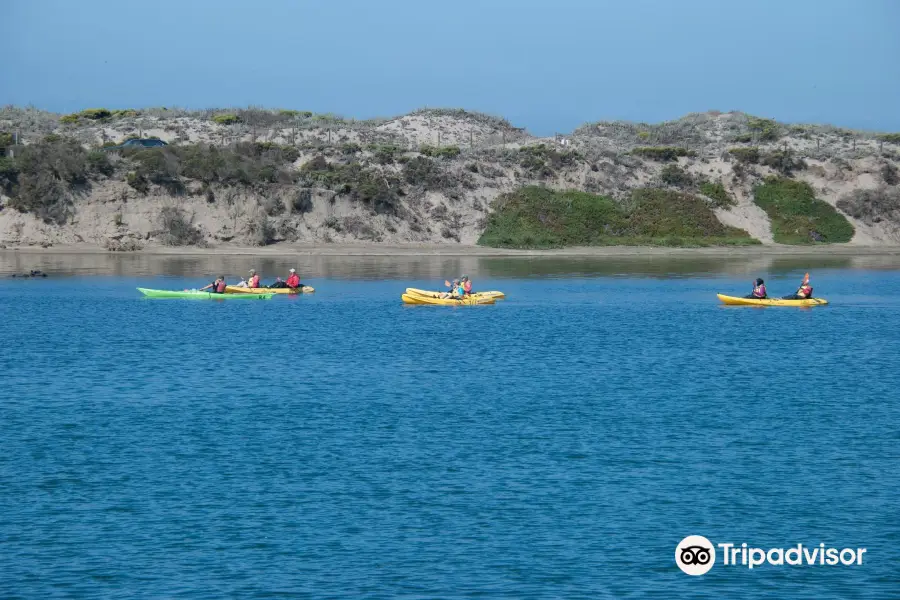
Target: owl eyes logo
{"points": [[695, 555]]}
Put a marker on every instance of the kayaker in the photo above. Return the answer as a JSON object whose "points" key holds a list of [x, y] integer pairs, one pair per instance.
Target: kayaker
{"points": [[467, 285], [456, 290], [803, 292], [216, 287], [759, 290], [293, 280], [253, 282]]}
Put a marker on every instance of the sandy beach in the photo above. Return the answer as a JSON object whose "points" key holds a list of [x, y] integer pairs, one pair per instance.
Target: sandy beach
{"points": [[450, 250]]}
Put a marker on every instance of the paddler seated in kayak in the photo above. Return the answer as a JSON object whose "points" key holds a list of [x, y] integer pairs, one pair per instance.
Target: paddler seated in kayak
{"points": [[456, 290], [293, 280], [803, 292], [253, 282], [216, 287], [466, 285], [759, 290]]}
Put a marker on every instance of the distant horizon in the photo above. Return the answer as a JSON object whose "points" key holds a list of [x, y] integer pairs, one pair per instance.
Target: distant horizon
{"points": [[437, 107], [546, 67]]}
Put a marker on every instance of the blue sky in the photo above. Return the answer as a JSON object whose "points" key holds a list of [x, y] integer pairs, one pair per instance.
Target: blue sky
{"points": [[549, 66]]}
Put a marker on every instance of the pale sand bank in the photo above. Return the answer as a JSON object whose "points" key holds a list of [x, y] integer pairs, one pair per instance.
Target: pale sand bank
{"points": [[464, 250]]}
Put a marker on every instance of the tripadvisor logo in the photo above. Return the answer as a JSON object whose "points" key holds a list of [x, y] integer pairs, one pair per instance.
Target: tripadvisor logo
{"points": [[696, 555]]}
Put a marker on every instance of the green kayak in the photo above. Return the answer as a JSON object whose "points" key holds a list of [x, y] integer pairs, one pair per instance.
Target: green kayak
{"points": [[199, 295]]}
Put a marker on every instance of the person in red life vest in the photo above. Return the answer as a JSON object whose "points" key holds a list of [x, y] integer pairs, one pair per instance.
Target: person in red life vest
{"points": [[253, 282], [759, 290], [293, 281], [216, 287], [467, 285], [803, 292]]}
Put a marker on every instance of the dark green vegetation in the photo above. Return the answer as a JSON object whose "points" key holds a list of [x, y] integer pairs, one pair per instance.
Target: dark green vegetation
{"points": [[784, 160], [379, 191], [543, 161], [797, 216], [536, 217], [675, 176], [891, 138], [45, 177], [662, 153]]}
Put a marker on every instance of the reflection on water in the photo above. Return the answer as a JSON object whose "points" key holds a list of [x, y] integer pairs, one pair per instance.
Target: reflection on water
{"points": [[425, 267]]}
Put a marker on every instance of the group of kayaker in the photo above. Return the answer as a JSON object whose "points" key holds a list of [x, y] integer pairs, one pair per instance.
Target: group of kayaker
{"points": [[460, 288], [218, 286], [803, 292]]}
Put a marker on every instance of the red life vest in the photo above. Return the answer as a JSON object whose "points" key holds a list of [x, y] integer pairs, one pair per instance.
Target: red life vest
{"points": [[220, 288], [293, 281], [467, 287], [254, 281], [760, 291]]}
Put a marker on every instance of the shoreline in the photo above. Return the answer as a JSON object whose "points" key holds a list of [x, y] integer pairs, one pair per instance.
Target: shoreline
{"points": [[401, 250]]}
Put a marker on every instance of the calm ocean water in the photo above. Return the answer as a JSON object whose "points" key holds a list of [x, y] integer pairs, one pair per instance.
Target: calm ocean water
{"points": [[556, 445]]}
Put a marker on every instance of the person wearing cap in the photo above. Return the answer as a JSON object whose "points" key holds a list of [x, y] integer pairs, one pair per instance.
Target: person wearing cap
{"points": [[293, 280], [253, 282], [759, 290], [467, 285]]}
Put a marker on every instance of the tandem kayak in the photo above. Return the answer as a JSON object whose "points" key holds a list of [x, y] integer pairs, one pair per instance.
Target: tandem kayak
{"points": [[430, 294], [233, 289], [736, 301], [199, 295], [410, 299]]}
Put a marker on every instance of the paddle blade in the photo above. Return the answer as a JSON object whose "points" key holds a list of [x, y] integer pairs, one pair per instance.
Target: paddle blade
{"points": [[806, 279], [447, 283]]}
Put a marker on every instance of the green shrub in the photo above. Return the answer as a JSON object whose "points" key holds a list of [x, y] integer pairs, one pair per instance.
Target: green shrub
{"points": [[379, 191], [98, 163], [226, 119], [384, 154], [177, 228], [428, 174], [6, 139], [676, 176], [95, 114], [47, 175], [9, 175], [138, 182], [891, 138], [350, 148], [797, 216], [69, 119], [543, 160], [766, 130], [890, 174], [745, 155], [440, 151], [662, 153], [783, 161], [742, 138], [536, 217], [716, 192]]}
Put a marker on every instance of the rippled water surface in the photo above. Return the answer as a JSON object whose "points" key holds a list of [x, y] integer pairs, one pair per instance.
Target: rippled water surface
{"points": [[556, 445]]}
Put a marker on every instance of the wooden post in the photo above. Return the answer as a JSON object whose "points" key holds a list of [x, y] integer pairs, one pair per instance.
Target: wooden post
{"points": [[439, 139], [471, 139]]}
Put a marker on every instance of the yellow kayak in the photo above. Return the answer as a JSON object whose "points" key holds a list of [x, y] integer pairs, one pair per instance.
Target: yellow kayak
{"points": [[233, 289], [430, 294], [409, 299], [736, 301]]}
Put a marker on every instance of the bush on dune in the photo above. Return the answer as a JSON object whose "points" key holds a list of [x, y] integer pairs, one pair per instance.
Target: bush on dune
{"points": [[536, 217], [797, 216]]}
